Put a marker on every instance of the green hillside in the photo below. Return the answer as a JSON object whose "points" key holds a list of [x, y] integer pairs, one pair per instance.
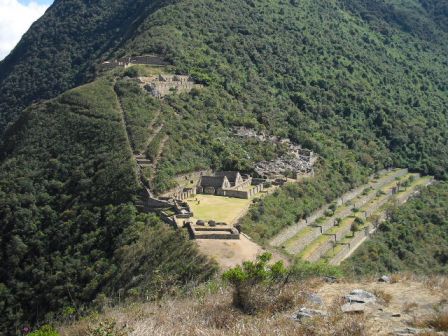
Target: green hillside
{"points": [[70, 234], [362, 83], [61, 49]]}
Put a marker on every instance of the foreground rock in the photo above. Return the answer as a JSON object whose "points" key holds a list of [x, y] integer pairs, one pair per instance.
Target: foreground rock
{"points": [[304, 313], [385, 278], [360, 296], [355, 308]]}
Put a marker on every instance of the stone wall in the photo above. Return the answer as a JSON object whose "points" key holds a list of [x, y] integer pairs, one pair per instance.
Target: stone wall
{"points": [[359, 236], [244, 194], [182, 195], [148, 60], [170, 220], [321, 250], [160, 89], [243, 185], [125, 62], [291, 231], [305, 240], [213, 233]]}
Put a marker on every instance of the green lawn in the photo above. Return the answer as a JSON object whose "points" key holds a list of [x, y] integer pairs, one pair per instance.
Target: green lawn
{"points": [[218, 208]]}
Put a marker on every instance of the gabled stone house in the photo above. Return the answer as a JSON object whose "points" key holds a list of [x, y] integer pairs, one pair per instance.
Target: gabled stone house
{"points": [[212, 185], [233, 177]]}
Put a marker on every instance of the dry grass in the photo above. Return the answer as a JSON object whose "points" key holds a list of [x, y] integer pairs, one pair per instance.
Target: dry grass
{"points": [[409, 307], [383, 296], [209, 310], [215, 315], [438, 321]]}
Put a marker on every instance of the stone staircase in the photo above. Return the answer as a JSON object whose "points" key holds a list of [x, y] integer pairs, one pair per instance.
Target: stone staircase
{"points": [[142, 161]]}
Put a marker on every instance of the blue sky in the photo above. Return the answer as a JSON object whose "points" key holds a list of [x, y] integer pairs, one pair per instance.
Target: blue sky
{"points": [[16, 16], [40, 2]]}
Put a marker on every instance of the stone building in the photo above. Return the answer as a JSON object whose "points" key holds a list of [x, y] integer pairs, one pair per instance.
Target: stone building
{"points": [[226, 183], [212, 185]]}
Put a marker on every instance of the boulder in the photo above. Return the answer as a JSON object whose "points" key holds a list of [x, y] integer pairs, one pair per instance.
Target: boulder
{"points": [[307, 313], [353, 308], [360, 296], [330, 279], [315, 299], [385, 278]]}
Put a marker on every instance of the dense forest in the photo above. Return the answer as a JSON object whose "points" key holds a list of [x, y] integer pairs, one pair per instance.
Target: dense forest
{"points": [[70, 234], [413, 239], [362, 83]]}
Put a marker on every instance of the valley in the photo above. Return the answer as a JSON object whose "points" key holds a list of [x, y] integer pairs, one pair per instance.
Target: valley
{"points": [[204, 167]]}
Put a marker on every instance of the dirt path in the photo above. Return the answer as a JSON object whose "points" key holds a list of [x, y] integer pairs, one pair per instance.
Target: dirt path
{"points": [[230, 253]]}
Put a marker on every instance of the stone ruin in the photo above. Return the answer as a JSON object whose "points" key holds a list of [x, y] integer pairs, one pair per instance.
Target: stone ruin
{"points": [[298, 161], [125, 62], [164, 84], [211, 230], [229, 184]]}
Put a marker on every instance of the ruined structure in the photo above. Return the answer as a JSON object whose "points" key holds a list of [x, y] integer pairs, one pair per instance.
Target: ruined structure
{"points": [[125, 62], [211, 230], [164, 84], [228, 183], [296, 162]]}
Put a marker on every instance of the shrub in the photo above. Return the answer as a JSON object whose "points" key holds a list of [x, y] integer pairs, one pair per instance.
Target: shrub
{"points": [[131, 72], [45, 330], [108, 328], [256, 283], [383, 296], [329, 213], [354, 228], [366, 191]]}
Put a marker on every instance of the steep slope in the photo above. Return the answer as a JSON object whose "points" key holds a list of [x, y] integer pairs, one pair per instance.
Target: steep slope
{"points": [[61, 49], [69, 232]]}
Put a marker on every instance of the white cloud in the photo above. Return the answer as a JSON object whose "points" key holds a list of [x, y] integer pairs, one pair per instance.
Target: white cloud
{"points": [[15, 19]]}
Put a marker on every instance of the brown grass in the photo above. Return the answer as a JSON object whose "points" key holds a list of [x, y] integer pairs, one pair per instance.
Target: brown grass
{"points": [[214, 315], [409, 306], [438, 321], [384, 297]]}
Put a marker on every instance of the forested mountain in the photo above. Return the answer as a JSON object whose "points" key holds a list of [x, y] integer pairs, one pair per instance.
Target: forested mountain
{"points": [[362, 83], [61, 49]]}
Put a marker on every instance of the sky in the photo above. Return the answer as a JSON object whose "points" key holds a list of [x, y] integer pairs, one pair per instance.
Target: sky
{"points": [[16, 16]]}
